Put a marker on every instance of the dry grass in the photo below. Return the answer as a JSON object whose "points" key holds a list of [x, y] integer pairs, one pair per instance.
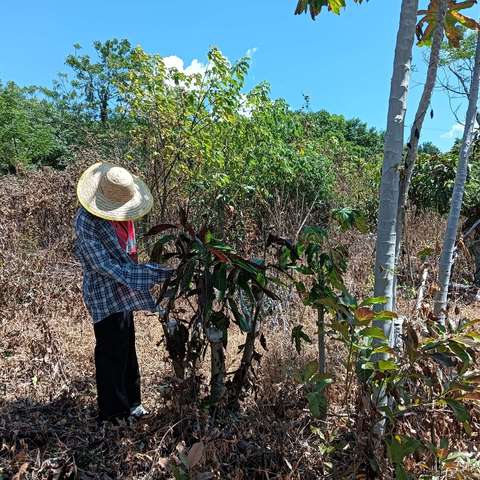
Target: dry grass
{"points": [[47, 417]]}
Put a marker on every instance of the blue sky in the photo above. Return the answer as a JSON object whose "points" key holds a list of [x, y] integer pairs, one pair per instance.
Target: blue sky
{"points": [[343, 63]]}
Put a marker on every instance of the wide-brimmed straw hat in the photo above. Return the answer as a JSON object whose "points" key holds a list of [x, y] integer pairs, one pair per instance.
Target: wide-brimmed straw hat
{"points": [[113, 193]]}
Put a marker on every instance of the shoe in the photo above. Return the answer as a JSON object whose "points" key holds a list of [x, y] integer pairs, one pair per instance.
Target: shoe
{"points": [[138, 412]]}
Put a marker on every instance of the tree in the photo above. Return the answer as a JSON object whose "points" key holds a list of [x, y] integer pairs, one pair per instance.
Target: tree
{"points": [[393, 153], [203, 138], [416, 129], [95, 84], [429, 149], [29, 133], [446, 257]]}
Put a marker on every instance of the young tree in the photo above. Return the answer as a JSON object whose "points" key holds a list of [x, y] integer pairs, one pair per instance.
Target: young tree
{"points": [[416, 129], [446, 257], [393, 153]]}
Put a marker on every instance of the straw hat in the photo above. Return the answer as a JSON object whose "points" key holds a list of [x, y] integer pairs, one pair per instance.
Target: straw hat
{"points": [[111, 192]]}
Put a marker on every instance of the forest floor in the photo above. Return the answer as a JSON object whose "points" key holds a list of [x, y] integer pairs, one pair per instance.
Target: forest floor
{"points": [[48, 427]]}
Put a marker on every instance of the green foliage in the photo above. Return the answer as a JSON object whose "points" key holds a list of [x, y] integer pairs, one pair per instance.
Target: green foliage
{"points": [[428, 148], [223, 289], [29, 132], [454, 21], [201, 137], [315, 6], [315, 384], [434, 177], [203, 134], [94, 87], [356, 152]]}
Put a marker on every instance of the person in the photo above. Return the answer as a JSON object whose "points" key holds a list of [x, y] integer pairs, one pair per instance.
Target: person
{"points": [[114, 284]]}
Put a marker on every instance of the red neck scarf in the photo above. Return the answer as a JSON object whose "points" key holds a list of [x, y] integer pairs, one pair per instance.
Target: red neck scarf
{"points": [[126, 237]]}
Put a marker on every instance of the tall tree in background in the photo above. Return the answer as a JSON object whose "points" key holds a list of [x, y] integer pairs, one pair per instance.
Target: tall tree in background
{"points": [[95, 83], [446, 257], [441, 16], [30, 132]]}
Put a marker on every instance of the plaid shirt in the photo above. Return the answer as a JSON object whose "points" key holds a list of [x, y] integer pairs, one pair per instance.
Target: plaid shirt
{"points": [[112, 281]]}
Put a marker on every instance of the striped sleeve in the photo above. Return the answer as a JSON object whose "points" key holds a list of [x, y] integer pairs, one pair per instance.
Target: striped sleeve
{"points": [[96, 257]]}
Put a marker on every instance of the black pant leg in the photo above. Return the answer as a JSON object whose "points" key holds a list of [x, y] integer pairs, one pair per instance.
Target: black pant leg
{"points": [[111, 360], [132, 373]]}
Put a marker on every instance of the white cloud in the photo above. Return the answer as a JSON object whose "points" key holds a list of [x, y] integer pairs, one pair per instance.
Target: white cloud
{"points": [[176, 62], [455, 131], [196, 67], [173, 62], [251, 51]]}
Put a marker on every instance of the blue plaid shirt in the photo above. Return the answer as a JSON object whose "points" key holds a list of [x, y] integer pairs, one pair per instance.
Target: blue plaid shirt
{"points": [[112, 281]]}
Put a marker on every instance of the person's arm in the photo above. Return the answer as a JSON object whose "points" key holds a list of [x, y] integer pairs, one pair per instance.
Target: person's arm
{"points": [[96, 257]]}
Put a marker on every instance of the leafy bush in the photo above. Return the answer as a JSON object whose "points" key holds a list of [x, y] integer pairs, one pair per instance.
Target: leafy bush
{"points": [[433, 180], [221, 289]]}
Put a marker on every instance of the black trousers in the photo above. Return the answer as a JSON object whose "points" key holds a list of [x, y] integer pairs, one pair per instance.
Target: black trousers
{"points": [[117, 373]]}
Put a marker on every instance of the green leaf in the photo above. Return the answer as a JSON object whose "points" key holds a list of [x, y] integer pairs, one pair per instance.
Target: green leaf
{"points": [[400, 446], [310, 369], [242, 322], [220, 279], [301, 289], [208, 237], [386, 365], [385, 315], [453, 22], [313, 234], [156, 255], [220, 321], [187, 275], [374, 301], [367, 366], [460, 351], [400, 473], [317, 403], [299, 337], [383, 349], [443, 359], [458, 409], [329, 302], [348, 217], [425, 253], [373, 332]]}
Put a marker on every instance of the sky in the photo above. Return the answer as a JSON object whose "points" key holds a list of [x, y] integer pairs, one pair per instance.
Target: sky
{"points": [[343, 63]]}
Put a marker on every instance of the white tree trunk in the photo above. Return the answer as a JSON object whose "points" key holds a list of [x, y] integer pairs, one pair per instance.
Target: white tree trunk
{"points": [[393, 151], [415, 131], [446, 257]]}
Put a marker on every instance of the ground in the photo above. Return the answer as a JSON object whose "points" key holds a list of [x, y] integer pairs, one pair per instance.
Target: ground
{"points": [[48, 427]]}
